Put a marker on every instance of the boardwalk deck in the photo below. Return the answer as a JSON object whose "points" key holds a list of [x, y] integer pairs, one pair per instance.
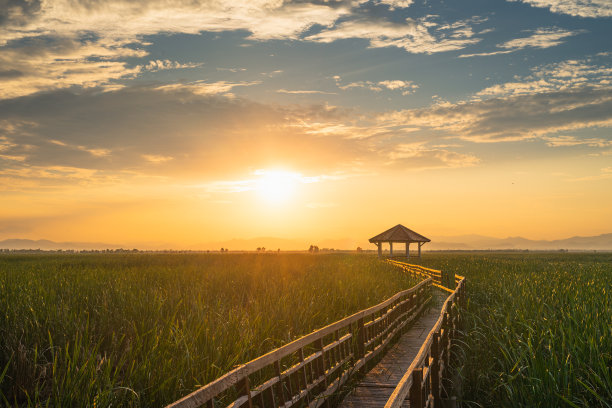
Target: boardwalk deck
{"points": [[378, 384]]}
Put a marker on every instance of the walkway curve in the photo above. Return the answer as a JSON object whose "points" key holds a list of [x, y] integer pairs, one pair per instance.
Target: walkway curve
{"points": [[377, 385]]}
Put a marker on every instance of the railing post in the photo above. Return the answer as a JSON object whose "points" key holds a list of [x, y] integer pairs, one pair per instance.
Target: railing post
{"points": [[360, 339], [243, 388], [416, 395], [435, 370]]}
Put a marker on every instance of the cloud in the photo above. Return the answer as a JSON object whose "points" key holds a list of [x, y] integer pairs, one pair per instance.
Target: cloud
{"points": [[570, 141], [43, 64], [415, 36], [304, 92], [46, 45], [120, 19], [406, 87], [160, 65], [562, 76], [427, 157], [514, 117], [205, 88], [541, 38], [182, 133], [559, 97], [395, 4], [578, 8]]}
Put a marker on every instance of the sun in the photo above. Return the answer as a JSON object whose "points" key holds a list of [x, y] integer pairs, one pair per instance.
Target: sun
{"points": [[276, 186]]}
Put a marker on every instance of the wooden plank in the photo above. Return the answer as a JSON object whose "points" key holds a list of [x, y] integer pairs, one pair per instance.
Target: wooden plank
{"points": [[377, 385]]}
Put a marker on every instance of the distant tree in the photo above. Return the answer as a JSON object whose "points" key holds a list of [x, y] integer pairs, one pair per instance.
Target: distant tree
{"points": [[359, 249], [258, 249]]}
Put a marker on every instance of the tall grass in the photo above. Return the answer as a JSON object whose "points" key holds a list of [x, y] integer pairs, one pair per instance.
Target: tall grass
{"points": [[143, 330], [538, 329]]}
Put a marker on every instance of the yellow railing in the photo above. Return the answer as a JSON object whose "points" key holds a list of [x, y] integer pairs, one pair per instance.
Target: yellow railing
{"points": [[422, 384]]}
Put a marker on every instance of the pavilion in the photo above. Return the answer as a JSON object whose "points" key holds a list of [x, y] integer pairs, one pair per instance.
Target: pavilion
{"points": [[400, 234]]}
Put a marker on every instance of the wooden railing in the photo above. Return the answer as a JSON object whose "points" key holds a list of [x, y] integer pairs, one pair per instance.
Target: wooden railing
{"points": [[422, 383], [441, 279], [307, 371]]}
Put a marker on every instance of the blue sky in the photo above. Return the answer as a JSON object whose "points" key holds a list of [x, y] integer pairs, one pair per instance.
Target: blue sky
{"points": [[164, 98]]}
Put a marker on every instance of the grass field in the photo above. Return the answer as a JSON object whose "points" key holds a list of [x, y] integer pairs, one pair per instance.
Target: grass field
{"points": [[538, 328], [144, 330]]}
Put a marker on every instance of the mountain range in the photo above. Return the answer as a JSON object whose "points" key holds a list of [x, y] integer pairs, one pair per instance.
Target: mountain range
{"points": [[459, 242]]}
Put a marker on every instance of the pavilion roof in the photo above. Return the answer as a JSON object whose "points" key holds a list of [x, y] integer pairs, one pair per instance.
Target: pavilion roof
{"points": [[399, 233]]}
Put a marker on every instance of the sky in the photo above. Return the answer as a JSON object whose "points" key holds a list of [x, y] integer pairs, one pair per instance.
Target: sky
{"points": [[182, 122]]}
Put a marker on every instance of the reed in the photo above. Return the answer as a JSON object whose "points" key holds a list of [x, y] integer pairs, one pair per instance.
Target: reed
{"points": [[537, 329], [143, 330]]}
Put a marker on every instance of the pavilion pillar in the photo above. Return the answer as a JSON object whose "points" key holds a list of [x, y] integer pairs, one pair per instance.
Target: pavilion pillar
{"points": [[391, 249], [420, 245], [379, 245], [407, 249]]}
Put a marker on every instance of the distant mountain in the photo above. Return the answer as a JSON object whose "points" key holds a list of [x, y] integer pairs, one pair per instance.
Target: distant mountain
{"points": [[468, 242], [461, 242], [47, 245]]}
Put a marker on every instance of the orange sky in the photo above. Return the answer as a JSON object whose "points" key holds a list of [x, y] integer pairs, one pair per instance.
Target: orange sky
{"points": [[158, 124]]}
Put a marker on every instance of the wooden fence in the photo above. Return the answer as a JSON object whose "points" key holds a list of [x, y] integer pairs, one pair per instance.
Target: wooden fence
{"points": [[441, 279], [309, 370], [422, 384]]}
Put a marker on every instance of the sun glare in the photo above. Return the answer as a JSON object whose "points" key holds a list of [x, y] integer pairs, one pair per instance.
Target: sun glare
{"points": [[276, 186]]}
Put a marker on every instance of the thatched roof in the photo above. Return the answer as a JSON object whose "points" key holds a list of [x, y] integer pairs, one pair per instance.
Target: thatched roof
{"points": [[399, 233]]}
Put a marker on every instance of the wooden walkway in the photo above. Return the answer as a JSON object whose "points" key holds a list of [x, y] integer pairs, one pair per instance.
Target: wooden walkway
{"points": [[377, 385]]}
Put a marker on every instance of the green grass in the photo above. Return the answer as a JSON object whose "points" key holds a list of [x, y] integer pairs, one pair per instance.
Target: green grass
{"points": [[144, 330], [538, 328]]}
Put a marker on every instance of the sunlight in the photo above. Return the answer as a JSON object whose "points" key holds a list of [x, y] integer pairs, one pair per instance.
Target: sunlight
{"points": [[277, 186]]}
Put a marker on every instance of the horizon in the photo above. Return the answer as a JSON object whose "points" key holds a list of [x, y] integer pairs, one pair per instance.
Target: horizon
{"points": [[467, 242], [186, 122]]}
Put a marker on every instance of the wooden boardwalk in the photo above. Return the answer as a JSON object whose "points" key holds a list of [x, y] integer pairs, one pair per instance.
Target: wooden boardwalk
{"points": [[377, 385]]}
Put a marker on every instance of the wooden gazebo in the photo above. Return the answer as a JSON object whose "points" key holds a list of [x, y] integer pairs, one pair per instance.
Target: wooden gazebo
{"points": [[400, 234]]}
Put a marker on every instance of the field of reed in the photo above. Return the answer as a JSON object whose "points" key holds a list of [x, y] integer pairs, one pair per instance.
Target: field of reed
{"points": [[143, 330], [537, 329]]}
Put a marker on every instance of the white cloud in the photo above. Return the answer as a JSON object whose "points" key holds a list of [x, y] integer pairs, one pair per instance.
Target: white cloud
{"points": [[160, 65], [579, 8], [206, 88], [406, 87], [303, 92], [541, 38], [44, 65], [120, 19], [421, 36], [561, 76], [395, 4], [84, 43], [512, 117]]}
